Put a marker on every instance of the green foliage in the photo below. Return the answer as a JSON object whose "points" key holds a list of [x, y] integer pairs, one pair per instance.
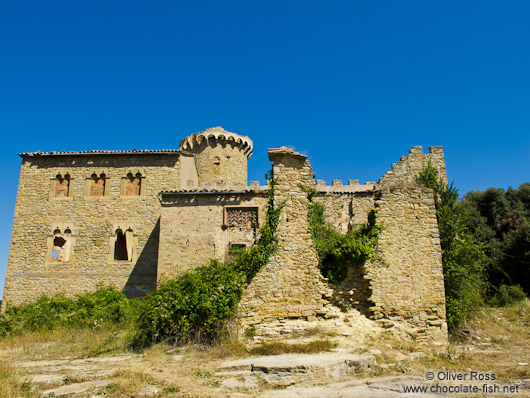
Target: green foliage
{"points": [[106, 305], [338, 251], [508, 295], [254, 258], [463, 259], [195, 306], [500, 220], [250, 331], [191, 307]]}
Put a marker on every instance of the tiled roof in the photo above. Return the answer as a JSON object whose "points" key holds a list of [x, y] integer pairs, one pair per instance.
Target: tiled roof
{"points": [[109, 152], [214, 190]]}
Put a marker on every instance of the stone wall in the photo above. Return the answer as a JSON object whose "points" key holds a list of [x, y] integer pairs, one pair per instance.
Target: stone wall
{"points": [[403, 289], [407, 282], [92, 222], [193, 229], [404, 172], [290, 285], [346, 210], [129, 219]]}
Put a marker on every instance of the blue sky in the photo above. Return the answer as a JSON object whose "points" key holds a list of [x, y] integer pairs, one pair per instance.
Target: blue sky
{"points": [[354, 84]]}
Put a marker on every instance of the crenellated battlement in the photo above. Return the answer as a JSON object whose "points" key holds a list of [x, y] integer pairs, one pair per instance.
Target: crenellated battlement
{"points": [[215, 135], [338, 187]]}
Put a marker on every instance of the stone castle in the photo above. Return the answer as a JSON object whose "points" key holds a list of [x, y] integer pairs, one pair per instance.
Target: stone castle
{"points": [[132, 218]]}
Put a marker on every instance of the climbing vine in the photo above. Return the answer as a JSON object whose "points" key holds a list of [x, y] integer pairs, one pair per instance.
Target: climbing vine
{"points": [[196, 305], [338, 251], [462, 257]]}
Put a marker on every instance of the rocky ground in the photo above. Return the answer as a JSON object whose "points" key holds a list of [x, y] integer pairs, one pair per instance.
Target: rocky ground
{"points": [[363, 361]]}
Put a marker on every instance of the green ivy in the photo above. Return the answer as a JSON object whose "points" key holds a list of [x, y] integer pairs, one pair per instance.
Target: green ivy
{"points": [[338, 251], [195, 306], [462, 257]]}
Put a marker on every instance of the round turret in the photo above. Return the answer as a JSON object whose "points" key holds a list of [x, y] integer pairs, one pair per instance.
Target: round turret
{"points": [[220, 157]]}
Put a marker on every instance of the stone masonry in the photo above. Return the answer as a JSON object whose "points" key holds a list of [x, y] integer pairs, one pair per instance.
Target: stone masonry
{"points": [[134, 218], [290, 286]]}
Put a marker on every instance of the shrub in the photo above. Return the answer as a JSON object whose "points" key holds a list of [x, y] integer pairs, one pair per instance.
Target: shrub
{"points": [[191, 307], [105, 305], [195, 306], [463, 259], [338, 251], [508, 295]]}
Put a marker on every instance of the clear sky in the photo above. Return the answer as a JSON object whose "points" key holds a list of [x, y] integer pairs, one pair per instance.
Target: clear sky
{"points": [[354, 84]]}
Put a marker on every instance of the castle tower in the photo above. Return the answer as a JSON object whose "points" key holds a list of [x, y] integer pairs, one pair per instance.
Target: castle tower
{"points": [[220, 157]]}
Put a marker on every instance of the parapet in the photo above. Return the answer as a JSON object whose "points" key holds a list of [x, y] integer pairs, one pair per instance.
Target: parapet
{"points": [[217, 134], [338, 187]]}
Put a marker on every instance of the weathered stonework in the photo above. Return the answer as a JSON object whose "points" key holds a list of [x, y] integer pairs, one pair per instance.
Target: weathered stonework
{"points": [[193, 228], [134, 218], [290, 286]]}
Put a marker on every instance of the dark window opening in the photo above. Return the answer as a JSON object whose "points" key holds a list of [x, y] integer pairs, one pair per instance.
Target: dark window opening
{"points": [[60, 251], [58, 241], [123, 248], [120, 247]]}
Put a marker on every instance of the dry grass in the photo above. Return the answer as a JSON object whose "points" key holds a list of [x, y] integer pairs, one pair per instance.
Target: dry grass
{"points": [[497, 340], [318, 331], [63, 343], [128, 383], [277, 348], [12, 383]]}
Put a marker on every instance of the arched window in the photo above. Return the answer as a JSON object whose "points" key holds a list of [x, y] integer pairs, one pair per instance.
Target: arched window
{"points": [[61, 246], [123, 246], [133, 184], [97, 185], [62, 186]]}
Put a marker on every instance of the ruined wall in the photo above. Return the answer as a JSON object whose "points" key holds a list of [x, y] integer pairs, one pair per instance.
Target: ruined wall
{"points": [[407, 283], [194, 229], [290, 286], [92, 222], [347, 206], [404, 172], [403, 288]]}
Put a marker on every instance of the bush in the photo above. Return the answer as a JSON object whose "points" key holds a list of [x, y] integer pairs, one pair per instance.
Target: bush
{"points": [[462, 257], [508, 295], [191, 307], [105, 305], [195, 306], [338, 251]]}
